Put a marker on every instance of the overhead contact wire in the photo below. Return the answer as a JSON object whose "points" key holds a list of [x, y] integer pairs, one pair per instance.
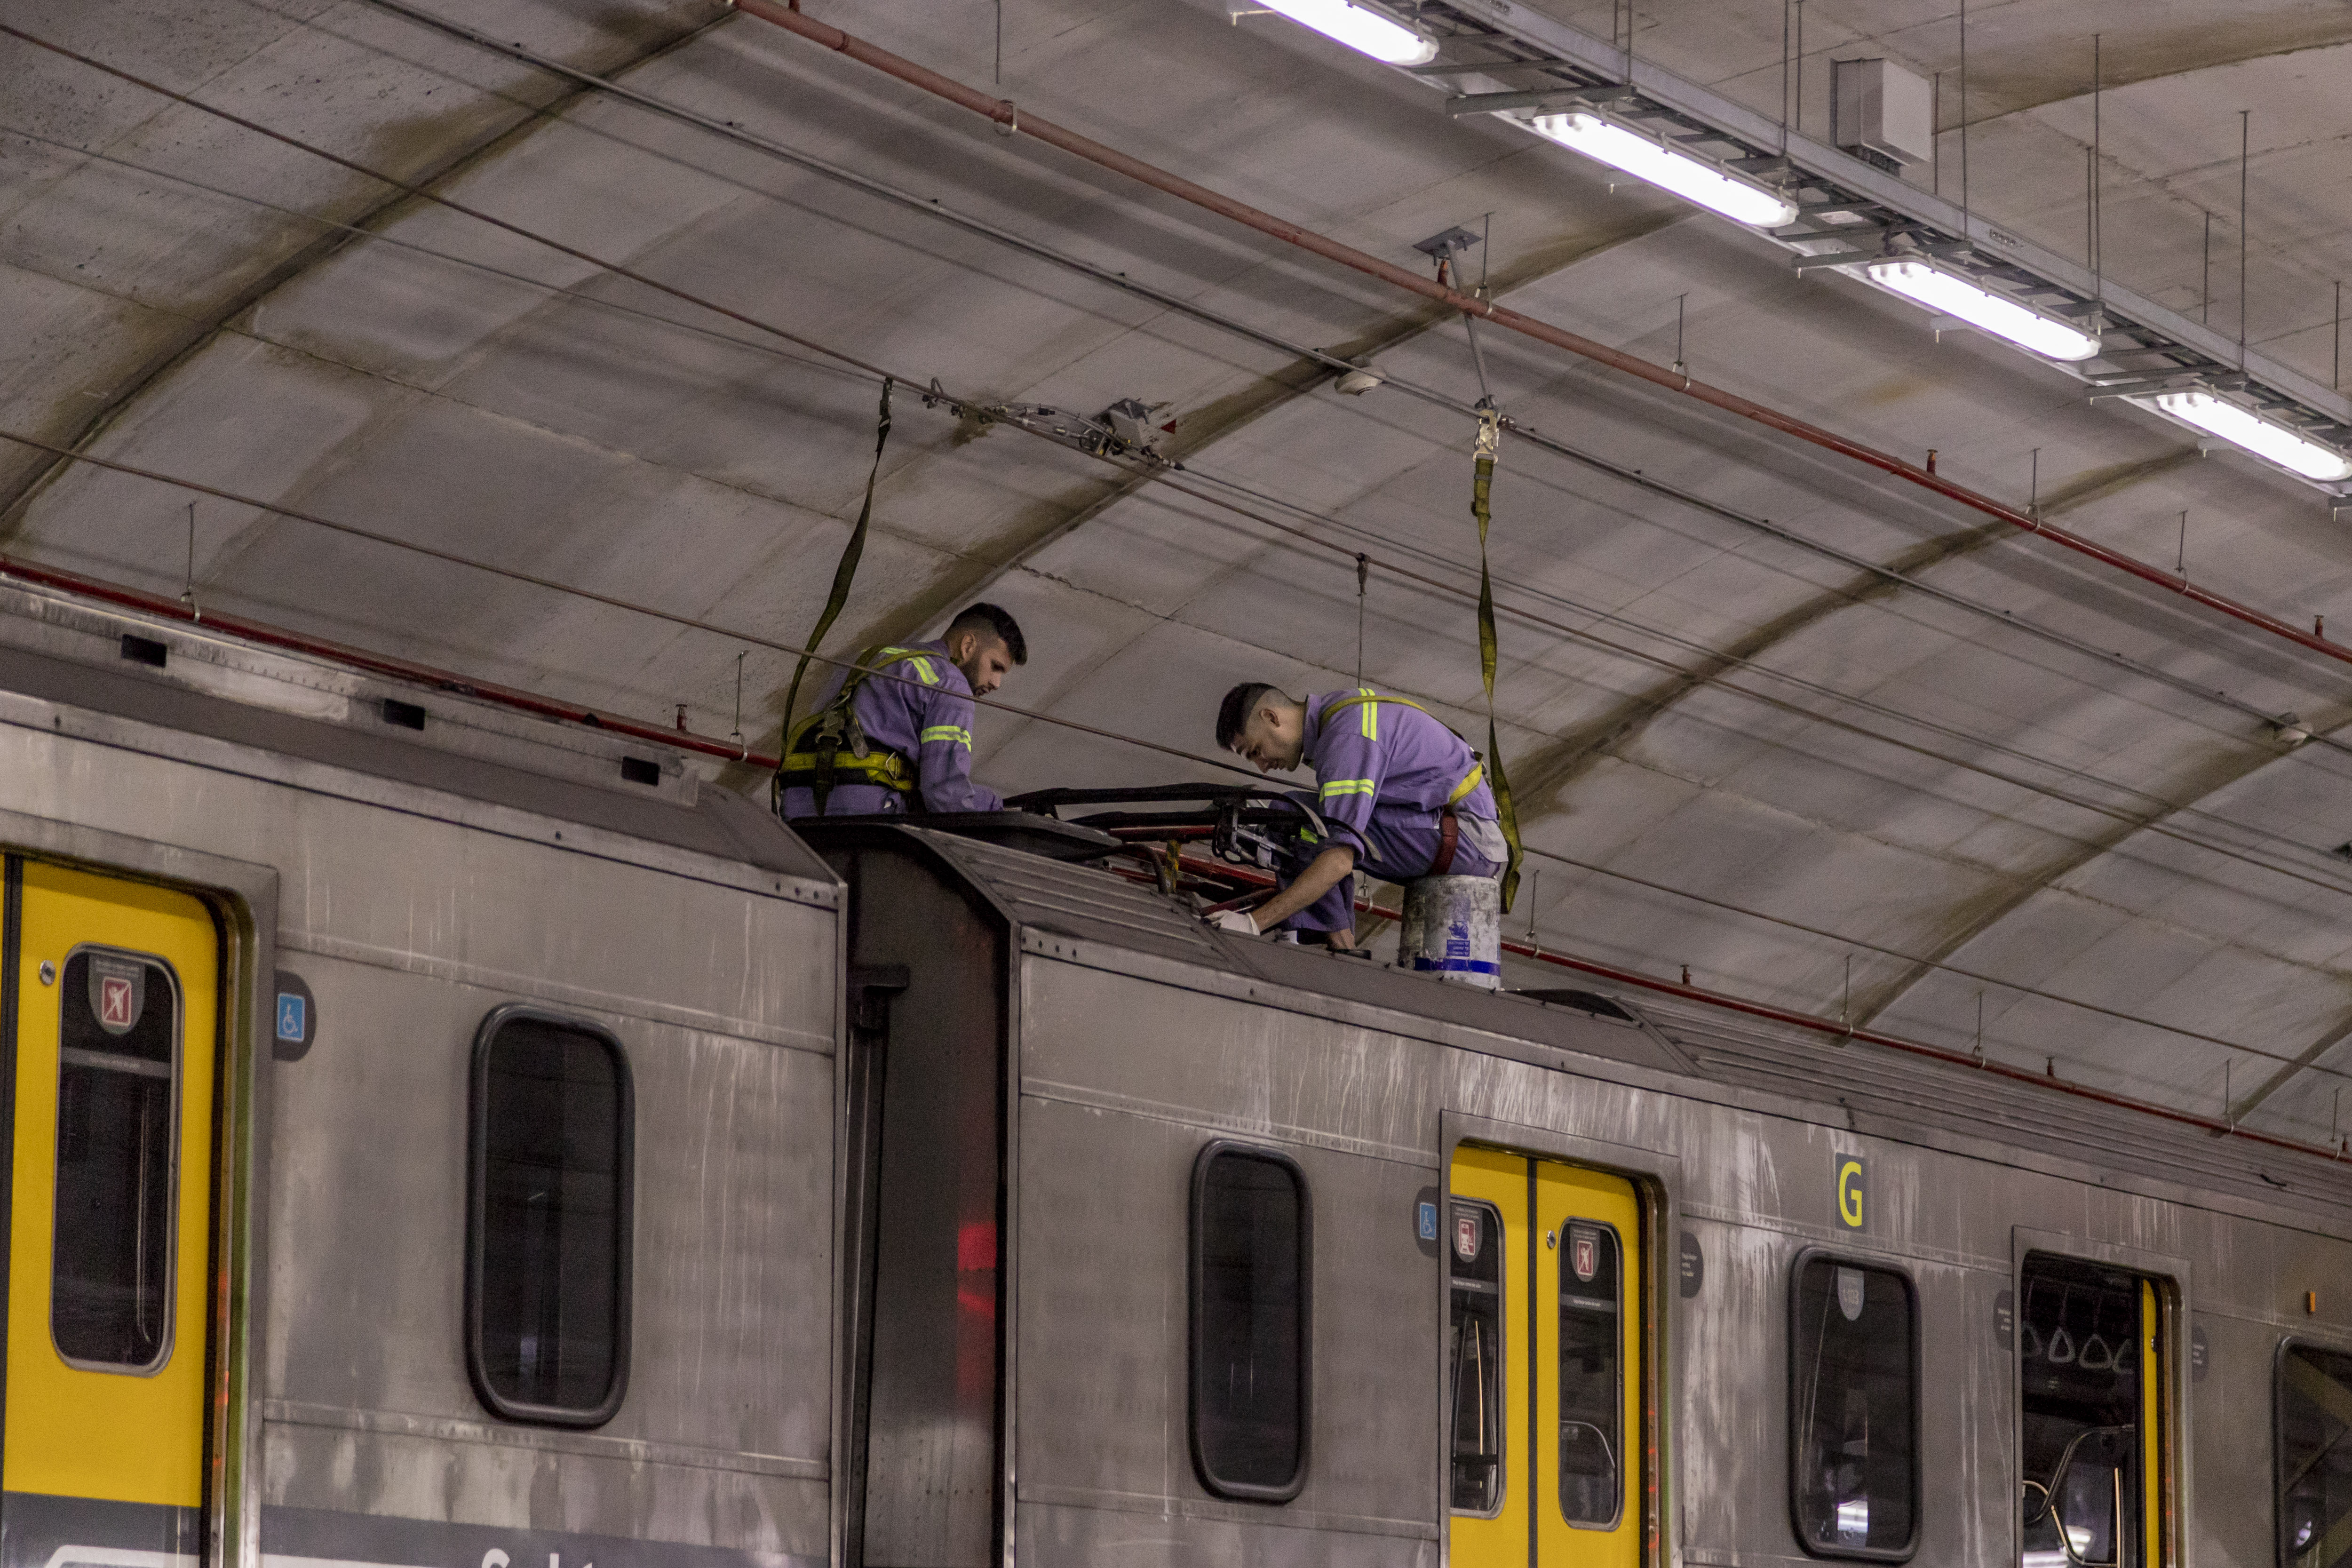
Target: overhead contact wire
{"points": [[869, 368], [1002, 112], [407, 670], [1618, 650], [939, 212]]}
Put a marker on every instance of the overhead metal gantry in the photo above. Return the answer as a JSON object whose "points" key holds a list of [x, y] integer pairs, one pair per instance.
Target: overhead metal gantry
{"points": [[1495, 56]]}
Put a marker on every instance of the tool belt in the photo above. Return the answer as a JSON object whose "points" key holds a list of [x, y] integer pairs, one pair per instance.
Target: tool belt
{"points": [[830, 748]]}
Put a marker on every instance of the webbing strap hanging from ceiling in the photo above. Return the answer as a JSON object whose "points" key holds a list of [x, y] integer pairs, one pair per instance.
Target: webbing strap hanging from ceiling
{"points": [[846, 572], [1490, 439]]}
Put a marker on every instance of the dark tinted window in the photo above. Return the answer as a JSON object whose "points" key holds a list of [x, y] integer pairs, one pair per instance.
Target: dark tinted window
{"points": [[1591, 1374], [1475, 1245], [118, 1082], [2314, 1457], [548, 1275], [1249, 1323], [1854, 1456], [2084, 1342]]}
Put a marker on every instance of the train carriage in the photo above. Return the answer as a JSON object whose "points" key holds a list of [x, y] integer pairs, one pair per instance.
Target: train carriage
{"points": [[420, 1124], [1307, 1261], [440, 1137]]}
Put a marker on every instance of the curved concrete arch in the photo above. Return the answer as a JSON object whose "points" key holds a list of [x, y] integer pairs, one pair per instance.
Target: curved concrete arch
{"points": [[19, 494]]}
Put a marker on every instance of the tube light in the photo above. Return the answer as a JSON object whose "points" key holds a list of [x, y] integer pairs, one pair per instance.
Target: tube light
{"points": [[1955, 296], [2243, 427], [1360, 28], [1690, 178]]}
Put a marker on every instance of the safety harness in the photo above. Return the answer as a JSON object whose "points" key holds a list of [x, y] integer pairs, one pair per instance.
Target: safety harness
{"points": [[813, 758], [1449, 819]]}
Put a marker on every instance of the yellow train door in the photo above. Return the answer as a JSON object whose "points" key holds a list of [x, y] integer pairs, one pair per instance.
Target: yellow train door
{"points": [[110, 1003], [1546, 1350]]}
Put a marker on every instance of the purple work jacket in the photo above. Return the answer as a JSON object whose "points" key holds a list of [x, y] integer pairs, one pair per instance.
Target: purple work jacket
{"points": [[926, 717]]}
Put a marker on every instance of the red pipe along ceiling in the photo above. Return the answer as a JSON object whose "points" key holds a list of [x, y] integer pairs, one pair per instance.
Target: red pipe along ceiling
{"points": [[2048, 1082], [403, 670], [268, 636], [1004, 113]]}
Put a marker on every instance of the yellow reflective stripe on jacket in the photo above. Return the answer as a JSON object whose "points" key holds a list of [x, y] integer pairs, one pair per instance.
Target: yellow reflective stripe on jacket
{"points": [[1477, 773], [1369, 702], [946, 732], [1347, 786], [920, 660]]}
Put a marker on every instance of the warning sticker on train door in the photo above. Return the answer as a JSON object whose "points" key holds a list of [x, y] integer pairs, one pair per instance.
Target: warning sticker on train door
{"points": [[1585, 1252], [1850, 1191], [1465, 1236], [118, 993]]}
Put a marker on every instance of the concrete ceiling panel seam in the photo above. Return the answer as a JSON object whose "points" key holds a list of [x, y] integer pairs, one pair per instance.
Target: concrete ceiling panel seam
{"points": [[1336, 359], [197, 331], [1801, 710]]}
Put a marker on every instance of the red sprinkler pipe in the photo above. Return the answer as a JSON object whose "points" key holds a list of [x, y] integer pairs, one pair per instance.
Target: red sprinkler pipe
{"points": [[1253, 878], [268, 636], [1003, 112]]}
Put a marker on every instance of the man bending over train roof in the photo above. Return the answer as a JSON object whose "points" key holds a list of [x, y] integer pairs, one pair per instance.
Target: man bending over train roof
{"points": [[900, 739], [1392, 783]]}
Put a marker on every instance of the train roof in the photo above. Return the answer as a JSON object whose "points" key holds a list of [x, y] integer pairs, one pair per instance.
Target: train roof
{"points": [[1087, 913], [194, 679]]}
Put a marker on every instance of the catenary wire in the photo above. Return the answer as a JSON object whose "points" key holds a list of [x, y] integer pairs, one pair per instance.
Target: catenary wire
{"points": [[610, 600], [731, 633], [1630, 475], [1119, 281], [2136, 820], [846, 358], [378, 237]]}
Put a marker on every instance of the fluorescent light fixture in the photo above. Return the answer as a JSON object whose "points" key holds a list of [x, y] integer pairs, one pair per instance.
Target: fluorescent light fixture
{"points": [[1361, 29], [1955, 296], [1693, 179], [2243, 427]]}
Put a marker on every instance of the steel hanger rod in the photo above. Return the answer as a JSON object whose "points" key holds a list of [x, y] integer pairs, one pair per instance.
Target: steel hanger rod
{"points": [[1109, 278], [1004, 113]]}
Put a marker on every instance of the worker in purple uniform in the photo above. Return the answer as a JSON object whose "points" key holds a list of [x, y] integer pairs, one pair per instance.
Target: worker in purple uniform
{"points": [[896, 734], [1394, 786]]}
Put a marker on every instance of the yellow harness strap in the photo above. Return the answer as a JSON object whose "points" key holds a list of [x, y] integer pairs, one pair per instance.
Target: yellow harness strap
{"points": [[814, 754]]}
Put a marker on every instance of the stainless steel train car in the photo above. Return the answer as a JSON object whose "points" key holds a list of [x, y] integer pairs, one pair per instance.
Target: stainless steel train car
{"points": [[419, 1123], [1169, 1248], [443, 1138]]}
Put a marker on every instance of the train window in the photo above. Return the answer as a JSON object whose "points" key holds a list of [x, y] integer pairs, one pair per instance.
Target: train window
{"points": [[1854, 1408], [1249, 1329], [1591, 1374], [547, 1276], [2090, 1391], [2314, 1457], [118, 1069], [1476, 1245]]}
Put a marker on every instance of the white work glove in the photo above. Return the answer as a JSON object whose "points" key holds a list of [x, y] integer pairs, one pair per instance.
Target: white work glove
{"points": [[1238, 922]]}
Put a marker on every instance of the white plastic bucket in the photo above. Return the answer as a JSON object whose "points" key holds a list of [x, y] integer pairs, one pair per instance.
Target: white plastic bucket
{"points": [[1454, 929]]}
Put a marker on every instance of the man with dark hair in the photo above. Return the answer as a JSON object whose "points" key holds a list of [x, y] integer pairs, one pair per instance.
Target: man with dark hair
{"points": [[896, 734], [1393, 786]]}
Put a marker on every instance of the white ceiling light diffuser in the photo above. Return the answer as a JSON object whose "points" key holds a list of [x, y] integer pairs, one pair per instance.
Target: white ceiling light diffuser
{"points": [[2243, 427], [1361, 29], [1693, 179], [1955, 296]]}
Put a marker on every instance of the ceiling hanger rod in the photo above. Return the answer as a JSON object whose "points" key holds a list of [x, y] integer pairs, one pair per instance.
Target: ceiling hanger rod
{"points": [[1002, 112]]}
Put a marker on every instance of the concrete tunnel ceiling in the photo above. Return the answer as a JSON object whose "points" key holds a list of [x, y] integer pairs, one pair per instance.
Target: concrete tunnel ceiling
{"points": [[1814, 787]]}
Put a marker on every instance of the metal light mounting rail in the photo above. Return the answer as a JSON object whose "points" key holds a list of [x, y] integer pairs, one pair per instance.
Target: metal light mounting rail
{"points": [[2243, 427], [1362, 28], [1925, 282], [1648, 158], [1002, 112]]}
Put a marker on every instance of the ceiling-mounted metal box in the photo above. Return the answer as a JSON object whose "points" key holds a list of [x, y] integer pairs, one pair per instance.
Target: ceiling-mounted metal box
{"points": [[1882, 111]]}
